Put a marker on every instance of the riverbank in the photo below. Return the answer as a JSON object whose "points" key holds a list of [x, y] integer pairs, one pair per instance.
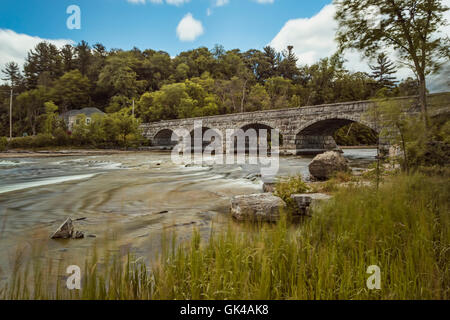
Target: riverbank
{"points": [[63, 152]]}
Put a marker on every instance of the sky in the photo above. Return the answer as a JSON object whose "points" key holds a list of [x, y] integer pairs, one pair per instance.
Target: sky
{"points": [[178, 25]]}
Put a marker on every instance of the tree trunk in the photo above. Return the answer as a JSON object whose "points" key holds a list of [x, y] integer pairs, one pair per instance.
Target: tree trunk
{"points": [[244, 88], [423, 99]]}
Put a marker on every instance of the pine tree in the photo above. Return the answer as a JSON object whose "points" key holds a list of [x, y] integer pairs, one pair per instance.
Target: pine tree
{"points": [[12, 74], [288, 67], [383, 71]]}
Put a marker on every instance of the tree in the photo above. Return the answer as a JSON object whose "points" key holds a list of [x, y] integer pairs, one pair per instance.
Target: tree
{"points": [[83, 58], [12, 74], [50, 117], [127, 126], [67, 54], [32, 102], [288, 66], [43, 65], [408, 26], [71, 91], [383, 71], [278, 90]]}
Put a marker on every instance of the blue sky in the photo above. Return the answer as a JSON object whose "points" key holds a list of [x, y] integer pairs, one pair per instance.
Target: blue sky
{"points": [[240, 24]]}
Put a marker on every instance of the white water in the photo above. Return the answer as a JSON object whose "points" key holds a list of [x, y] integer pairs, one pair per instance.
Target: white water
{"points": [[43, 182]]}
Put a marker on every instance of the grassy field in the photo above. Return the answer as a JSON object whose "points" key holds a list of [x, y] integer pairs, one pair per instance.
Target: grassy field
{"points": [[404, 228]]}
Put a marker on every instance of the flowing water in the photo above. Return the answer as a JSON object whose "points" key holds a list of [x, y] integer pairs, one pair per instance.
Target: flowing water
{"points": [[124, 201]]}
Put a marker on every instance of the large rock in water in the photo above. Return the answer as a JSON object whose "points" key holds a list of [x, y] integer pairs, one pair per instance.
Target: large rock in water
{"points": [[257, 207], [65, 231], [326, 164]]}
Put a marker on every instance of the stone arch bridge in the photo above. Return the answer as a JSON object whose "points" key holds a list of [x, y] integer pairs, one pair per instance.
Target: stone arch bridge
{"points": [[304, 130]]}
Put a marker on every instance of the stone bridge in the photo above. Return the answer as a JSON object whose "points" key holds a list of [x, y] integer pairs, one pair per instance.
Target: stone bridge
{"points": [[304, 130]]}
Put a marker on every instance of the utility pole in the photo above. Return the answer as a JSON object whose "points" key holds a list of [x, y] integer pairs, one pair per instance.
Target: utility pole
{"points": [[133, 109], [10, 113]]}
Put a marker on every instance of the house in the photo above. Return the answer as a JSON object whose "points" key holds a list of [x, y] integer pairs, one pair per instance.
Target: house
{"points": [[71, 117]]}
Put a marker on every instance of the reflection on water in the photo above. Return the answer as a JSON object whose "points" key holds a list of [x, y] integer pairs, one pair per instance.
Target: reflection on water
{"points": [[128, 200]]}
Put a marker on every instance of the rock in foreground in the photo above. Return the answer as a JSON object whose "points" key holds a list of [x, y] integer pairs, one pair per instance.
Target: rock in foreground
{"points": [[326, 164], [257, 207], [65, 231], [306, 201]]}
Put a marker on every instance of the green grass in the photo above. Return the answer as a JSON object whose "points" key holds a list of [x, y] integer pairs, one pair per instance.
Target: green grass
{"points": [[404, 228]]}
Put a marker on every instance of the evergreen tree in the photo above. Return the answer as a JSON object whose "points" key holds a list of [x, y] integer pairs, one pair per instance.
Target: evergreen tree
{"points": [[84, 55], [382, 72], [288, 66], [12, 74]]}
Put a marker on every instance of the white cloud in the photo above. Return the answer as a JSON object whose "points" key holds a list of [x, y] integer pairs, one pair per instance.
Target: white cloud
{"points": [[15, 46], [264, 1], [314, 38], [220, 3], [177, 2], [189, 29]]}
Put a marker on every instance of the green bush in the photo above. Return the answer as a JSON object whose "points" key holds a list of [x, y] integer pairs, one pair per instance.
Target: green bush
{"points": [[43, 140], [21, 142], [284, 188], [3, 144], [61, 137]]}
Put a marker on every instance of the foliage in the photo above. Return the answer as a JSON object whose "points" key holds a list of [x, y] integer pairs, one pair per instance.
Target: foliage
{"points": [[411, 28], [51, 117], [3, 144], [71, 90], [284, 188], [420, 145], [356, 134], [383, 72]]}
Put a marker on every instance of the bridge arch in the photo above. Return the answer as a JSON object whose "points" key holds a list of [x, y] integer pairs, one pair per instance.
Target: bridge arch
{"points": [[256, 126], [203, 140], [317, 136], [163, 138]]}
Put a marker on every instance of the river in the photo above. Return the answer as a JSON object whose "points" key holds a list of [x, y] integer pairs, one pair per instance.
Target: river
{"points": [[125, 201]]}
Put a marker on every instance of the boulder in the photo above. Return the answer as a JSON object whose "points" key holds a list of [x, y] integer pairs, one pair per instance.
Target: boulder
{"points": [[65, 231], [257, 207], [324, 165], [306, 201]]}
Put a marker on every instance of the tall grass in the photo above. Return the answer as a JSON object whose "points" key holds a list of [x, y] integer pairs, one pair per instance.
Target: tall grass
{"points": [[404, 228]]}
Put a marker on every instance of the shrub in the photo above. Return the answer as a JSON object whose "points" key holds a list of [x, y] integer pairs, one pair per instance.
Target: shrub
{"points": [[43, 140], [3, 144], [61, 137], [284, 188], [21, 142]]}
